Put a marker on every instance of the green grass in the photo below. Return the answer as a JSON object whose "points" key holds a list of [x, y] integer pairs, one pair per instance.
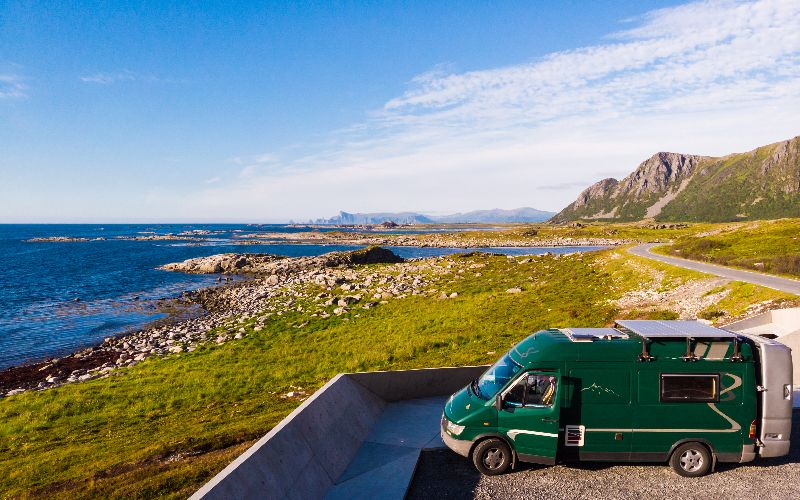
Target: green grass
{"points": [[765, 246], [164, 427], [536, 233]]}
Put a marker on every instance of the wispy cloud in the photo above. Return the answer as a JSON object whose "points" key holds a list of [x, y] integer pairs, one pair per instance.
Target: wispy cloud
{"points": [[707, 53], [259, 159], [708, 77], [12, 87], [108, 78]]}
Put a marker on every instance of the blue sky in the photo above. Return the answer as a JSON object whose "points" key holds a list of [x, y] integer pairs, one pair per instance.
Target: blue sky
{"points": [[119, 111]]}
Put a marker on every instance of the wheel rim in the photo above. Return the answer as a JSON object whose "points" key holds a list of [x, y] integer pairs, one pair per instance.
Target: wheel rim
{"points": [[493, 458], [691, 460]]}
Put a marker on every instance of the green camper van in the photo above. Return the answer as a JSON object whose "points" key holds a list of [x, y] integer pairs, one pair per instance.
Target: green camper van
{"points": [[680, 392]]}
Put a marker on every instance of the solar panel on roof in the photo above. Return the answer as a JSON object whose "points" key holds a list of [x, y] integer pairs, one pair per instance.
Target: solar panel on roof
{"points": [[673, 328]]}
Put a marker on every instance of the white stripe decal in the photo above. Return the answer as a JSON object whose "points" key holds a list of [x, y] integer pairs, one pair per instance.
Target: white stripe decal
{"points": [[735, 427], [512, 433], [663, 430], [737, 381]]}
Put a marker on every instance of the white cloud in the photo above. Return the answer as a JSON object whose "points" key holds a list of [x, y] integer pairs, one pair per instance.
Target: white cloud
{"points": [[707, 77], [105, 78], [12, 87], [259, 159], [109, 78]]}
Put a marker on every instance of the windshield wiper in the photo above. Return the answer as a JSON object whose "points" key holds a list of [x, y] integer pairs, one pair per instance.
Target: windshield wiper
{"points": [[475, 388]]}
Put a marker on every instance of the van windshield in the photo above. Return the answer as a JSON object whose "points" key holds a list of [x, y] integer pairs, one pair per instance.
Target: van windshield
{"points": [[496, 377]]}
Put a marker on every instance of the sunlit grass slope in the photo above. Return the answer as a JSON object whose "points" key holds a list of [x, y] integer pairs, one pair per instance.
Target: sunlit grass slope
{"points": [[767, 246]]}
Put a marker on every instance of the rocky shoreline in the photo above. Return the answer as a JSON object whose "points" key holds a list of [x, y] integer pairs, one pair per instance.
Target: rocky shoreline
{"points": [[426, 240], [275, 286], [447, 240]]}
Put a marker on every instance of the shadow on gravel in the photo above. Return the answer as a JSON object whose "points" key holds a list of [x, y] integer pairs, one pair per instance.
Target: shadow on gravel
{"points": [[443, 474]]}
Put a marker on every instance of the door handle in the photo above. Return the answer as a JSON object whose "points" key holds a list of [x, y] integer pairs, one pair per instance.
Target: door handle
{"points": [[545, 419]]}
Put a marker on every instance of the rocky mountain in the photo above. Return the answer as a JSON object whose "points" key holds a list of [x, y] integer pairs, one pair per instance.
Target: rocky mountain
{"points": [[760, 184], [346, 218], [525, 214]]}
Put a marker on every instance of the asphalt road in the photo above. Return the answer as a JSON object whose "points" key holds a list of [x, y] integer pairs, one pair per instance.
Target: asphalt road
{"points": [[441, 474], [766, 280]]}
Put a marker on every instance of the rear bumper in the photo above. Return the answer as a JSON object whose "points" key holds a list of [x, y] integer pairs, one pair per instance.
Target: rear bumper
{"points": [[776, 448], [748, 453], [459, 446]]}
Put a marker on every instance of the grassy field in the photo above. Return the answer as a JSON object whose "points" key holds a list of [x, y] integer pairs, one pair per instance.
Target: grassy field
{"points": [[164, 427], [766, 246], [544, 233]]}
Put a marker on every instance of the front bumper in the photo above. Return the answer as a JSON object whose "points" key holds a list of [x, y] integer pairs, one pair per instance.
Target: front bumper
{"points": [[459, 446]]}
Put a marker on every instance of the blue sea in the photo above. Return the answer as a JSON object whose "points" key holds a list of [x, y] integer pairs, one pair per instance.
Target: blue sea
{"points": [[57, 297]]}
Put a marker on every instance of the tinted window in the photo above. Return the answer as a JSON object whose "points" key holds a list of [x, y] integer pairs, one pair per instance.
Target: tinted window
{"points": [[689, 388], [538, 390]]}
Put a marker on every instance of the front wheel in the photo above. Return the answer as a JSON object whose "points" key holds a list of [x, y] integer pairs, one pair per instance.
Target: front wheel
{"points": [[491, 457], [691, 460]]}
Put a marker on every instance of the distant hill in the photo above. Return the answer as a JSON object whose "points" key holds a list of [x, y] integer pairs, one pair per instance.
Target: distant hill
{"points": [[525, 214], [760, 184]]}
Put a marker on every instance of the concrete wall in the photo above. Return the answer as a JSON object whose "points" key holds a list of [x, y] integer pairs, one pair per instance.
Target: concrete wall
{"points": [[305, 454], [777, 322], [784, 324], [412, 384]]}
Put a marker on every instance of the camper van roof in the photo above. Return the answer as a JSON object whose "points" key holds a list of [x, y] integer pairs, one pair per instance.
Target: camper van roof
{"points": [[589, 334], [673, 329]]}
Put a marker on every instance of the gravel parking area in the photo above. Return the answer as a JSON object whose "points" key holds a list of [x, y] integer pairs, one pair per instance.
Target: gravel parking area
{"points": [[443, 474]]}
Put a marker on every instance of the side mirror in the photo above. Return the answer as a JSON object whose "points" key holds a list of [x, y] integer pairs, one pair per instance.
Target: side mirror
{"points": [[498, 402]]}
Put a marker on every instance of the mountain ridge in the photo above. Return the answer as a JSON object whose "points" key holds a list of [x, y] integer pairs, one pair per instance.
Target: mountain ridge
{"points": [[496, 215], [760, 184]]}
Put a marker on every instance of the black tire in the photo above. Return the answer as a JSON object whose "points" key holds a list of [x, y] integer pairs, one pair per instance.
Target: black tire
{"points": [[491, 457], [691, 460]]}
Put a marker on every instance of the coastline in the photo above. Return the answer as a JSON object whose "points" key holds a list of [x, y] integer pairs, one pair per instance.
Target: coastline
{"points": [[224, 306], [262, 278], [421, 240], [267, 285]]}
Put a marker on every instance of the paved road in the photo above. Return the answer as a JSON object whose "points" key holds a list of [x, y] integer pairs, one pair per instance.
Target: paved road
{"points": [[774, 282]]}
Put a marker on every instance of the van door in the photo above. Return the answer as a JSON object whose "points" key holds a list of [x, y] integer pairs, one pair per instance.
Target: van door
{"points": [[530, 416]]}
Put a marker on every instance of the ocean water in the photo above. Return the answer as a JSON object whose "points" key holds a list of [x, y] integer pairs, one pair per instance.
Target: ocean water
{"points": [[56, 297]]}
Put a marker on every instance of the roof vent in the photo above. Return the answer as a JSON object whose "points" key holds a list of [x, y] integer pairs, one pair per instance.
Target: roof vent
{"points": [[590, 334]]}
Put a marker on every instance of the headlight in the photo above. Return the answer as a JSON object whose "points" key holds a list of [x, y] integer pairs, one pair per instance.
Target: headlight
{"points": [[454, 429]]}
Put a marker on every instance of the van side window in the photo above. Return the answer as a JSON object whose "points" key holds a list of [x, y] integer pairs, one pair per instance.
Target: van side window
{"points": [[689, 388], [540, 390], [514, 397], [532, 390]]}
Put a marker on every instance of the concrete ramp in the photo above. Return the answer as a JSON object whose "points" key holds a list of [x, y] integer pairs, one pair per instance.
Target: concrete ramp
{"points": [[772, 324], [359, 436]]}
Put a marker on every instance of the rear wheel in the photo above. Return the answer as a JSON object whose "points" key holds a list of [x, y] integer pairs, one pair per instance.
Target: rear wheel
{"points": [[691, 460], [491, 457]]}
